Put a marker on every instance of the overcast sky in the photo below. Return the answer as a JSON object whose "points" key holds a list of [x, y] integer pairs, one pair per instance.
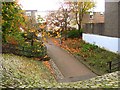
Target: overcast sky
{"points": [[100, 5], [42, 5]]}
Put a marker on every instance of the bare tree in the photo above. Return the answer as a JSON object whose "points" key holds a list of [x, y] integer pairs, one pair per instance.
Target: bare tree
{"points": [[79, 9]]}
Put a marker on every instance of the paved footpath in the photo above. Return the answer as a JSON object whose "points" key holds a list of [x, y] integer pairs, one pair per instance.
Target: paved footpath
{"points": [[71, 69]]}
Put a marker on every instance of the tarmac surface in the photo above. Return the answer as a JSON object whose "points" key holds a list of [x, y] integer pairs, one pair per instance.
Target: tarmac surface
{"points": [[70, 68]]}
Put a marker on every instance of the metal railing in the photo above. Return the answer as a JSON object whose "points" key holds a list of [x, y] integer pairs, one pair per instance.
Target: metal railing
{"points": [[113, 66]]}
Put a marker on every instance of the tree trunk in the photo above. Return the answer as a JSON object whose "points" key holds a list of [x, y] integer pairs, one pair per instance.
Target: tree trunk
{"points": [[65, 30], [65, 16], [79, 28], [79, 24], [3, 38]]}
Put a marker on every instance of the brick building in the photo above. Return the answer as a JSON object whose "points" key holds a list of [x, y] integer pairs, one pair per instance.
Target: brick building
{"points": [[95, 17]]}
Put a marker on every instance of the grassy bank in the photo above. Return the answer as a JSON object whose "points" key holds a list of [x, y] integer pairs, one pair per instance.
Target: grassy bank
{"points": [[22, 72], [91, 55]]}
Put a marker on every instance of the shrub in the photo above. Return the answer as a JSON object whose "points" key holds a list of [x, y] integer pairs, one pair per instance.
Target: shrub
{"points": [[87, 47], [74, 33], [34, 51], [38, 50], [12, 18], [24, 43]]}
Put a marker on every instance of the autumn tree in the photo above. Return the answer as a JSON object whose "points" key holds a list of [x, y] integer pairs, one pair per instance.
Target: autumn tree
{"points": [[30, 30], [79, 9], [59, 20], [66, 19], [42, 27], [12, 19]]}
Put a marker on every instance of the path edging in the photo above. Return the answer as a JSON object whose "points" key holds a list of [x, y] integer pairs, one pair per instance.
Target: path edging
{"points": [[58, 74], [78, 58]]}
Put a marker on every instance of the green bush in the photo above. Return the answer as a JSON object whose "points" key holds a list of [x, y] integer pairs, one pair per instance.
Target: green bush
{"points": [[74, 33], [21, 43], [12, 18], [37, 50], [87, 47]]}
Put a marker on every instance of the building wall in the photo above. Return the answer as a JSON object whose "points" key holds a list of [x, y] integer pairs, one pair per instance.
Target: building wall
{"points": [[110, 38], [111, 19], [32, 14], [119, 18], [97, 18], [119, 25]]}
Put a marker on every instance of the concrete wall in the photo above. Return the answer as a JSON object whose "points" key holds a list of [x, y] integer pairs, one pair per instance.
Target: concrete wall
{"points": [[110, 37], [108, 43]]}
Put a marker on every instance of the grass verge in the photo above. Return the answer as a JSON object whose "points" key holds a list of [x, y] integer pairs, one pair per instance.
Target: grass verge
{"points": [[91, 55]]}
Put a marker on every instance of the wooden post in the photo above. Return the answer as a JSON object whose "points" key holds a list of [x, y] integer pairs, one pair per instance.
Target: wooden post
{"points": [[110, 65]]}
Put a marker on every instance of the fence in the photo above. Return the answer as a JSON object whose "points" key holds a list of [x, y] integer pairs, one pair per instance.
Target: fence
{"points": [[94, 28], [101, 29], [23, 51]]}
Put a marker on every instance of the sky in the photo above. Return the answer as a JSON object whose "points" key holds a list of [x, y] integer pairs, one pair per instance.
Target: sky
{"points": [[43, 5], [100, 5], [40, 5]]}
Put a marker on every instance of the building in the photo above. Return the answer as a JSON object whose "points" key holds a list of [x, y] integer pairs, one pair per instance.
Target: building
{"points": [[95, 17], [32, 14], [109, 38]]}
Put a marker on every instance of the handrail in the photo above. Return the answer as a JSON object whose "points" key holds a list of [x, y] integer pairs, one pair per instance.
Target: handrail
{"points": [[112, 66]]}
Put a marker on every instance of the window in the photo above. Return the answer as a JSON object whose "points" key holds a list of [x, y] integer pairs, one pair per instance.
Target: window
{"points": [[101, 13], [28, 13], [91, 16]]}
